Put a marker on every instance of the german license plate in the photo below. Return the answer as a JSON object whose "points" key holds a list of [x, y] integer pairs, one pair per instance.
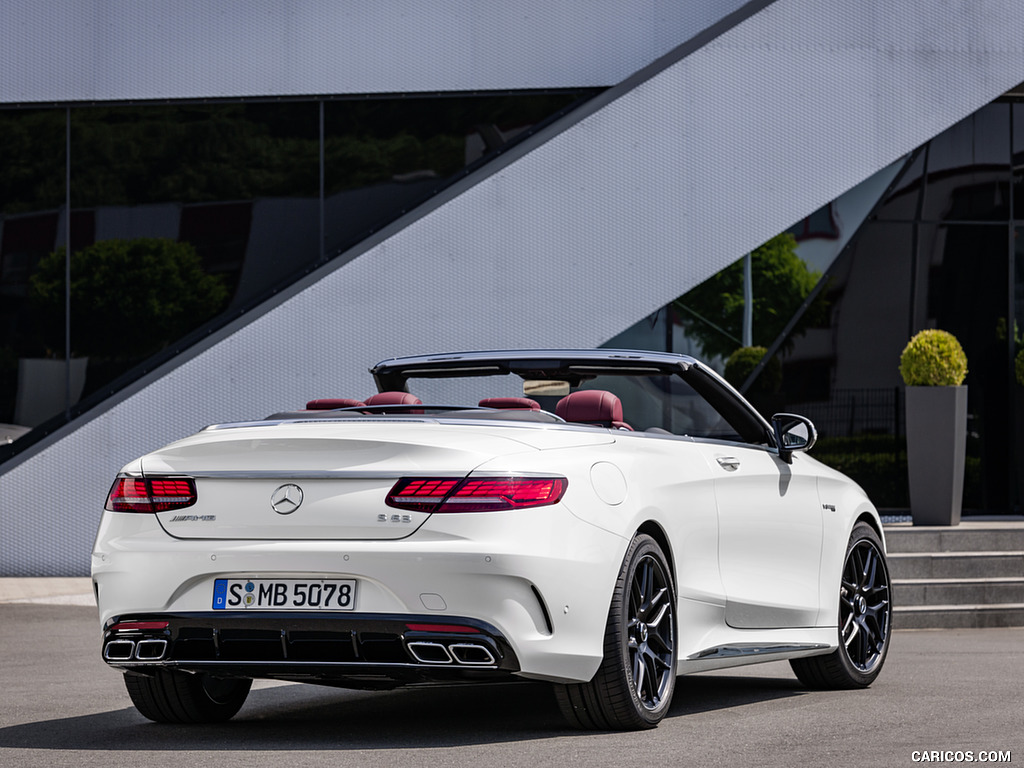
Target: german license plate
{"points": [[284, 594]]}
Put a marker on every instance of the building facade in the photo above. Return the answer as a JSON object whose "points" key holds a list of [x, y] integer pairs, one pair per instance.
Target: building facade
{"points": [[302, 190]]}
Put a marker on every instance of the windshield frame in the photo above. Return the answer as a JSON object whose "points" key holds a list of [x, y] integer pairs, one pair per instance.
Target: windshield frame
{"points": [[577, 366]]}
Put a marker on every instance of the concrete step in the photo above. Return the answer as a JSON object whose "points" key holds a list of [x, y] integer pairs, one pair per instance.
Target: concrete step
{"points": [[962, 538], [977, 591], [958, 616], [956, 565], [969, 575]]}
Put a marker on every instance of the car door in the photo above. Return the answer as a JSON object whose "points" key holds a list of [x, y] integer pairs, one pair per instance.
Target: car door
{"points": [[769, 536], [769, 515]]}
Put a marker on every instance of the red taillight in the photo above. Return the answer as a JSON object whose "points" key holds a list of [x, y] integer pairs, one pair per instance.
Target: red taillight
{"points": [[475, 494], [136, 494], [420, 493], [172, 493]]}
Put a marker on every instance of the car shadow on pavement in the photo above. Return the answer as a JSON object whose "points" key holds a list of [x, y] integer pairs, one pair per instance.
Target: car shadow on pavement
{"points": [[309, 718]]}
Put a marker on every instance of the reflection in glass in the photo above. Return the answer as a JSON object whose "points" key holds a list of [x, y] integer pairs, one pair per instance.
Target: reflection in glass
{"points": [[965, 271], [968, 175], [205, 207], [904, 198], [32, 173], [1017, 169], [386, 156]]}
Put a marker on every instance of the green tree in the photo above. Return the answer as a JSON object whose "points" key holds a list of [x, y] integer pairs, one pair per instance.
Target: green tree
{"points": [[712, 313], [129, 298], [743, 361]]}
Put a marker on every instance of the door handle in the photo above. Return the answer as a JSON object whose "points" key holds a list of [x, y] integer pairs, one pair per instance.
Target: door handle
{"points": [[728, 463]]}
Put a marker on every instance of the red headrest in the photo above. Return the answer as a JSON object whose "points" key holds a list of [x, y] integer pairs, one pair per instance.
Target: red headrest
{"points": [[393, 398], [510, 403], [591, 406], [330, 403]]}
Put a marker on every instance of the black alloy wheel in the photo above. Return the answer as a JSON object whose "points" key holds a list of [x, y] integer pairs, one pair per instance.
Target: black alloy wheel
{"points": [[864, 606], [651, 632], [865, 619], [633, 687]]}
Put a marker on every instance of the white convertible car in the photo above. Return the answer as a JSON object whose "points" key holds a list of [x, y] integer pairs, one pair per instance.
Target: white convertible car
{"points": [[603, 520]]}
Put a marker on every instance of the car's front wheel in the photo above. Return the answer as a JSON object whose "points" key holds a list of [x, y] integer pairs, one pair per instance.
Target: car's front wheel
{"points": [[633, 686], [865, 619], [178, 697]]}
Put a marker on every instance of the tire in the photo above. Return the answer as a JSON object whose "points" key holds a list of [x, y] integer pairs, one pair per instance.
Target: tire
{"points": [[865, 619], [178, 697], [633, 687]]}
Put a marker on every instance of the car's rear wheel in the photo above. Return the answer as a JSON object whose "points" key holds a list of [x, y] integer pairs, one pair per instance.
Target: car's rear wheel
{"points": [[865, 619], [633, 686], [178, 697]]}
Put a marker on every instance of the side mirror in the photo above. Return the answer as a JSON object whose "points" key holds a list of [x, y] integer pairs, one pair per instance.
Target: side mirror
{"points": [[793, 433]]}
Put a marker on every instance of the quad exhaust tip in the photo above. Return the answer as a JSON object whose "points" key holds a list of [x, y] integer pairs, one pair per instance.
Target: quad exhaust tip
{"points": [[471, 653], [150, 650], [465, 654], [127, 650]]}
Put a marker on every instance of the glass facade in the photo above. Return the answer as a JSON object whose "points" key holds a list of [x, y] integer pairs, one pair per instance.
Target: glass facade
{"points": [[940, 249], [183, 214]]}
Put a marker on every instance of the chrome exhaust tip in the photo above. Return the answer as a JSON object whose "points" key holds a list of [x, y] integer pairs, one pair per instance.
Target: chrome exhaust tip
{"points": [[119, 650], [429, 653], [471, 654], [150, 650]]}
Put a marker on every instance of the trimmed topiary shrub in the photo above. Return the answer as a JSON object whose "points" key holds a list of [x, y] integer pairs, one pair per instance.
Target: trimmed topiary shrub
{"points": [[933, 358], [744, 360]]}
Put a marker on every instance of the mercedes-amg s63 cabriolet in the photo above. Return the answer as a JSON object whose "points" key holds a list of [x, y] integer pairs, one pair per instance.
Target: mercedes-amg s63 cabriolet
{"points": [[602, 520]]}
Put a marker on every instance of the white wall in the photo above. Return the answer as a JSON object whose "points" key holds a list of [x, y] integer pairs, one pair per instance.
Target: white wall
{"points": [[112, 50], [576, 235]]}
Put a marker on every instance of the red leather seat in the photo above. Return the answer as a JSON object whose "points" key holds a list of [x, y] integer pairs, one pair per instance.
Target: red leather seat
{"points": [[592, 406], [394, 398], [510, 403], [330, 403]]}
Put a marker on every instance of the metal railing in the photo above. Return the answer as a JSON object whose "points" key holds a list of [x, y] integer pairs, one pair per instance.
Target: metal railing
{"points": [[854, 412]]}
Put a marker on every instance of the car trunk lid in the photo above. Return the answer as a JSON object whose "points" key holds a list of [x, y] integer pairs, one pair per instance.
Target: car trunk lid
{"points": [[321, 480]]}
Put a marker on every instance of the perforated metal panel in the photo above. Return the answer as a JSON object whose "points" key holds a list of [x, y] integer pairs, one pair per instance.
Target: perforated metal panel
{"points": [[574, 237], [86, 50]]}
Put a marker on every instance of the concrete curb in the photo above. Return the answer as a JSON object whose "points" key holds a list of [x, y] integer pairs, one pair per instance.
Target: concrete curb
{"points": [[47, 591]]}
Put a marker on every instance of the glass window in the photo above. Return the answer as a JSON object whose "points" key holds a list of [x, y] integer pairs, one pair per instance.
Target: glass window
{"points": [[32, 191], [386, 156], [903, 199], [665, 403], [1017, 123], [965, 274], [199, 208], [968, 169], [174, 201]]}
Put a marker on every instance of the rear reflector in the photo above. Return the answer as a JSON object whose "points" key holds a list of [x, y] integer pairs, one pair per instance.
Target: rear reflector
{"points": [[448, 628], [130, 626], [475, 494], [136, 494]]}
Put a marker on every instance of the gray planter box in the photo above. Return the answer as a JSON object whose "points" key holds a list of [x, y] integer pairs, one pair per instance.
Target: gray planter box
{"points": [[936, 448]]}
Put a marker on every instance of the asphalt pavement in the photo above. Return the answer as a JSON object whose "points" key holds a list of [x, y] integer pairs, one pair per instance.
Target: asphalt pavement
{"points": [[947, 692]]}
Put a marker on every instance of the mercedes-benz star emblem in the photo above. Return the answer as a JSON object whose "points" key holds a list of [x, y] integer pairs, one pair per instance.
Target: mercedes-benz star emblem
{"points": [[286, 499]]}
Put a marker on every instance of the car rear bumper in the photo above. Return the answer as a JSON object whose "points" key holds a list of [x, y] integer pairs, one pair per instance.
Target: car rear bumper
{"points": [[355, 650], [538, 589]]}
